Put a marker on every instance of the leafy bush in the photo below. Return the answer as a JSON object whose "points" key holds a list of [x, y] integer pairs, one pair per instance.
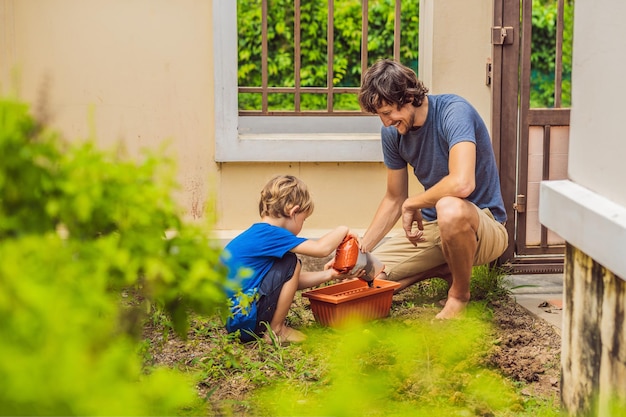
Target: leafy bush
{"points": [[543, 53], [313, 47], [392, 368], [78, 228], [489, 283], [347, 49]]}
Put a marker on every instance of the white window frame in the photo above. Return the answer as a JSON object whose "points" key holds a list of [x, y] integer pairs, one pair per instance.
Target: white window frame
{"points": [[279, 139]]}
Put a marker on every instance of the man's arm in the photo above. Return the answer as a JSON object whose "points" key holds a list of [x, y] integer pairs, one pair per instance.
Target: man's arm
{"points": [[460, 182], [389, 209]]}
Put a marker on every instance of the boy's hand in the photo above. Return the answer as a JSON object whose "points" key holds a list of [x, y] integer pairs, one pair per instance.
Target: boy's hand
{"points": [[341, 277], [334, 274]]}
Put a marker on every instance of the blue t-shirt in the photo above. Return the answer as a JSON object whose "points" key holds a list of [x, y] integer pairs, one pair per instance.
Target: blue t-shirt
{"points": [[248, 257], [451, 119]]}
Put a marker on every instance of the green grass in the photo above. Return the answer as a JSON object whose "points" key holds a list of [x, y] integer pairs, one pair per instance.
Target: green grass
{"points": [[405, 365]]}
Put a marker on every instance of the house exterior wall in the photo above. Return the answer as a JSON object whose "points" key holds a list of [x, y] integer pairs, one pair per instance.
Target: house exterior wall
{"points": [[141, 73], [589, 211], [455, 45], [594, 344], [126, 71]]}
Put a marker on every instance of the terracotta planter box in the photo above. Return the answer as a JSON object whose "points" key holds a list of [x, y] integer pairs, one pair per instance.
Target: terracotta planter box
{"points": [[351, 300]]}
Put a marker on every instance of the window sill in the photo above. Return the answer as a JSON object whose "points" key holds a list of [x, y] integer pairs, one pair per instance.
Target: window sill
{"points": [[301, 147]]}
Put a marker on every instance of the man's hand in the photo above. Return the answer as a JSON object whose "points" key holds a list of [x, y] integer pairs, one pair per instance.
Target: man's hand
{"points": [[412, 224]]}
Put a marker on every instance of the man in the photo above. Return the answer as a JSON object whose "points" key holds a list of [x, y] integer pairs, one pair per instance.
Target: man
{"points": [[458, 221]]}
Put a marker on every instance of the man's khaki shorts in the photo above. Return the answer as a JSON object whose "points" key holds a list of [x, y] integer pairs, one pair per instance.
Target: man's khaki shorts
{"points": [[403, 260]]}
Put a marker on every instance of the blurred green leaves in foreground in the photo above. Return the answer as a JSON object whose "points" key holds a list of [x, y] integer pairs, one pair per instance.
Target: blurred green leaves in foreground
{"points": [[80, 229], [413, 367]]}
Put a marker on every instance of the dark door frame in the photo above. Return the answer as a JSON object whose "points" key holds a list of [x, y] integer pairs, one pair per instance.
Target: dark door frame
{"points": [[505, 87], [511, 119]]}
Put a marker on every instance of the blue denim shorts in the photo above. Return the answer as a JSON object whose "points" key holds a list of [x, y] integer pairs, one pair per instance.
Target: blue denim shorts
{"points": [[270, 288]]}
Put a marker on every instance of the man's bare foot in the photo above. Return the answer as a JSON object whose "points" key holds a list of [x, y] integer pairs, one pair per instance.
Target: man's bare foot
{"points": [[285, 336], [453, 309]]}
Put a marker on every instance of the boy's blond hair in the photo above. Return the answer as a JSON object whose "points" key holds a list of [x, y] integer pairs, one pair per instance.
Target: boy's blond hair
{"points": [[281, 194]]}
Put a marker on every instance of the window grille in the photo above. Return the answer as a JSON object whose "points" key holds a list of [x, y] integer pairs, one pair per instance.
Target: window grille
{"points": [[396, 13]]}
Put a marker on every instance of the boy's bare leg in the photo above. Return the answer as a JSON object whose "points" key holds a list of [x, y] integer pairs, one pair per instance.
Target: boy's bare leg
{"points": [[458, 223], [278, 326]]}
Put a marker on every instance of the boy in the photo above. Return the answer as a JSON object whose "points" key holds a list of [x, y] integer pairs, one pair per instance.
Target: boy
{"points": [[262, 261]]}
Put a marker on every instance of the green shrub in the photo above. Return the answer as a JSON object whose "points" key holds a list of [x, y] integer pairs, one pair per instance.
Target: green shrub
{"points": [[391, 368], [489, 283], [78, 228], [314, 48], [347, 49], [543, 53]]}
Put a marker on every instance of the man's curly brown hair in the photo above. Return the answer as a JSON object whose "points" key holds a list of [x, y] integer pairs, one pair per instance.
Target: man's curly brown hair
{"points": [[389, 82]]}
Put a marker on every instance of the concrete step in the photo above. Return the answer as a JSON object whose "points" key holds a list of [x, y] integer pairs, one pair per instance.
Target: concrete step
{"points": [[540, 294]]}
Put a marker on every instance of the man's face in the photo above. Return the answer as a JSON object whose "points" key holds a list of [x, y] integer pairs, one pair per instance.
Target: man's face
{"points": [[403, 118]]}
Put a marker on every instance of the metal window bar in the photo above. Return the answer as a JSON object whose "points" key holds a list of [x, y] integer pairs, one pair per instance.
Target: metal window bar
{"points": [[264, 53], [330, 90], [331, 54], [297, 56]]}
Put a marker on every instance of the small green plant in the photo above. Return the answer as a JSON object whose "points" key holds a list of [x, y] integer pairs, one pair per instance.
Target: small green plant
{"points": [[489, 283]]}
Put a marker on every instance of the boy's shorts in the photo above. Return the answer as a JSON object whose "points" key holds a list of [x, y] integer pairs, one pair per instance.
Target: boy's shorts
{"points": [[403, 260], [270, 288]]}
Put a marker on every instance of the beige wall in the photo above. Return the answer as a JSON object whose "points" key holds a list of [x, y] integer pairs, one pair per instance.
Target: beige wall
{"points": [[135, 71], [455, 46], [140, 72], [597, 145]]}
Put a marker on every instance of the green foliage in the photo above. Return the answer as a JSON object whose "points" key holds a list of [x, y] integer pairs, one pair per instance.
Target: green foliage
{"points": [[416, 367], [406, 364], [27, 175], [79, 227], [543, 53], [63, 352], [314, 48], [488, 283], [347, 49]]}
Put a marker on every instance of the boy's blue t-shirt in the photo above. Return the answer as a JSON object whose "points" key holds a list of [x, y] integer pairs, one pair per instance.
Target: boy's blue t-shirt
{"points": [[451, 119], [249, 257]]}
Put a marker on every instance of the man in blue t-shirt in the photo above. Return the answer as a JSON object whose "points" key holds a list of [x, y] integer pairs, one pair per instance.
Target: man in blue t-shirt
{"points": [[458, 221]]}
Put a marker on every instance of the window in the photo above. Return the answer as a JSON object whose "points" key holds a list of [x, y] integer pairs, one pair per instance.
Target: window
{"points": [[295, 99]]}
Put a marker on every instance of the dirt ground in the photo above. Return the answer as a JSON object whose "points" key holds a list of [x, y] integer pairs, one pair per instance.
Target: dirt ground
{"points": [[527, 350]]}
